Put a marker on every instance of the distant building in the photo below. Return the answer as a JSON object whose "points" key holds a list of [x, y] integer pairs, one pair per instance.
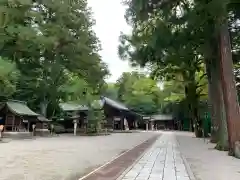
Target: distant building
{"points": [[116, 112], [16, 116], [162, 121], [73, 111]]}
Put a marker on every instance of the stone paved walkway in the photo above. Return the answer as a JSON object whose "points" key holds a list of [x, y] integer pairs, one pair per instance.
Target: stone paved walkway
{"points": [[162, 161]]}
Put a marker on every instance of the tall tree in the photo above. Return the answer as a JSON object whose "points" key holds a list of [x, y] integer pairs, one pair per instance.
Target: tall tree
{"points": [[51, 42], [140, 93], [199, 27]]}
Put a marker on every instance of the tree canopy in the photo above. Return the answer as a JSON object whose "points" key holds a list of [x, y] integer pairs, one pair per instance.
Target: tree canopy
{"points": [[55, 50], [194, 42]]}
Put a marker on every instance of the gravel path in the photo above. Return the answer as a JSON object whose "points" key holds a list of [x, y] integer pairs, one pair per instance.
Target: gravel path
{"points": [[206, 162], [62, 158]]}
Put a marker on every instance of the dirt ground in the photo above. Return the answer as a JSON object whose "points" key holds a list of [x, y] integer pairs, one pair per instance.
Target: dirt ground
{"points": [[64, 157]]}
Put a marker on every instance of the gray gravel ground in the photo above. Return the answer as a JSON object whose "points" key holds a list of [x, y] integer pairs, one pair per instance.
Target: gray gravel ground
{"points": [[62, 158], [206, 162]]}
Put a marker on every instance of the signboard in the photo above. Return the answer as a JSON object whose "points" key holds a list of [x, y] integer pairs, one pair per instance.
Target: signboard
{"points": [[146, 118], [117, 119]]}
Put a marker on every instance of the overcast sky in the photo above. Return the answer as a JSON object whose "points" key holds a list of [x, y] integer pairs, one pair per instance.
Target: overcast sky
{"points": [[109, 16]]}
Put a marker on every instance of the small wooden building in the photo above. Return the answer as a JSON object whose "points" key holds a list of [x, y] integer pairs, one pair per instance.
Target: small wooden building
{"points": [[17, 116], [161, 121], [73, 111], [43, 122], [116, 112]]}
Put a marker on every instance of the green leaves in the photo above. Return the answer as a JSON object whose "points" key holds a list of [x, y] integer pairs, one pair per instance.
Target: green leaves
{"points": [[139, 93], [8, 78], [54, 47]]}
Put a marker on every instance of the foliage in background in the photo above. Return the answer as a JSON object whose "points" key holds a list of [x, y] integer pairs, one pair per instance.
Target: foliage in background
{"points": [[111, 91], [55, 50], [166, 39], [138, 91], [8, 79]]}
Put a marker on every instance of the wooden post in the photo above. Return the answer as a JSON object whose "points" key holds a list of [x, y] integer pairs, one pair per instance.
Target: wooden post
{"points": [[13, 123], [113, 123], [33, 129], [28, 127], [136, 124]]}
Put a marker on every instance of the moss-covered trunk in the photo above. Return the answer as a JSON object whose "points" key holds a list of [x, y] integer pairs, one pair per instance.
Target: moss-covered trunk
{"points": [[219, 132], [192, 99], [219, 115]]}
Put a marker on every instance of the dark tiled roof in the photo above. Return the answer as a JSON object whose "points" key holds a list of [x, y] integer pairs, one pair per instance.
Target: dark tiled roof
{"points": [[115, 104], [20, 108]]}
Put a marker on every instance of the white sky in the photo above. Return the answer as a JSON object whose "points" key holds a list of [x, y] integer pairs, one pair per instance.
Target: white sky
{"points": [[109, 16]]}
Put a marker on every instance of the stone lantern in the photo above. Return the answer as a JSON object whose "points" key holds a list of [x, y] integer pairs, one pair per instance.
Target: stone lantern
{"points": [[75, 123]]}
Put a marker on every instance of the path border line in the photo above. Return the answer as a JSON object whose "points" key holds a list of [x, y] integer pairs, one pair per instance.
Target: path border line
{"points": [[113, 159]]}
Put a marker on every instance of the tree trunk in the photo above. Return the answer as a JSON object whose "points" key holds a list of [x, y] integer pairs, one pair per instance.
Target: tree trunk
{"points": [[43, 108], [222, 143], [189, 107], [229, 89], [219, 133], [193, 103], [212, 97]]}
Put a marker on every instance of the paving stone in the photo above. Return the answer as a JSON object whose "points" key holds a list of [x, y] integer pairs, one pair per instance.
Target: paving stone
{"points": [[143, 174], [132, 174], [152, 176], [159, 168], [182, 174], [169, 178], [162, 161], [141, 178], [183, 178]]}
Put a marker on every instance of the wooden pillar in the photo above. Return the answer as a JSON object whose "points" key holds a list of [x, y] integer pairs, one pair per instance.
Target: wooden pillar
{"points": [[122, 123], [113, 122], [13, 123], [5, 121], [136, 124], [122, 120], [28, 127]]}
